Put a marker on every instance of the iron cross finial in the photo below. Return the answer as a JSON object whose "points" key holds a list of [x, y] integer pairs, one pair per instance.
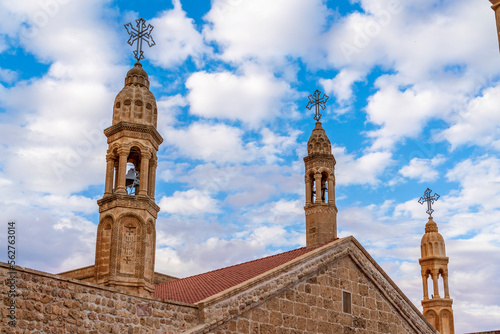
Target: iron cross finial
{"points": [[138, 35], [315, 100], [429, 199]]}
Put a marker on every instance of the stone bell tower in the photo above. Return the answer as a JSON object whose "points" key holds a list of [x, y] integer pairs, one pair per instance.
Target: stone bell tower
{"points": [[126, 234], [320, 208], [434, 264]]}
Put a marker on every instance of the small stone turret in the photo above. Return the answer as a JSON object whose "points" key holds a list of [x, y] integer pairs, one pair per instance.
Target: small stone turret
{"points": [[320, 208], [434, 264]]}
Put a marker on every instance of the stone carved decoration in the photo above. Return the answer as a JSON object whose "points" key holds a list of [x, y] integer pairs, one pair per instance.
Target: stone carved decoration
{"points": [[129, 247], [325, 210]]}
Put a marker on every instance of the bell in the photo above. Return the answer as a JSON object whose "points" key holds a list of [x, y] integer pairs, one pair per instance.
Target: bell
{"points": [[132, 181]]}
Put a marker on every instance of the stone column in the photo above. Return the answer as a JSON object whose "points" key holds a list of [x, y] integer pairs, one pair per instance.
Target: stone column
{"points": [[116, 177], [445, 282], [331, 190], [426, 288], [143, 176], [308, 190], [122, 170], [435, 275], [152, 177], [108, 184], [317, 179]]}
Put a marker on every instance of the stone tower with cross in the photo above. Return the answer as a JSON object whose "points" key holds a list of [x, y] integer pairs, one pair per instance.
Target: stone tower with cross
{"points": [[434, 265], [320, 208], [126, 234]]}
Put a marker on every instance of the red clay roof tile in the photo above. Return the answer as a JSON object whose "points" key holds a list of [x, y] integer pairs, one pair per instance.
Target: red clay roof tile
{"points": [[196, 288]]}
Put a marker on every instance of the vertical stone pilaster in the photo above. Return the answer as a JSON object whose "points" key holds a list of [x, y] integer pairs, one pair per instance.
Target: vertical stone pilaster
{"points": [[122, 170], [317, 183], [144, 180], [108, 185]]}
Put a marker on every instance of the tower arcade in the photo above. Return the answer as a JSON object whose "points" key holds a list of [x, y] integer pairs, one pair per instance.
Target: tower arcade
{"points": [[126, 234]]}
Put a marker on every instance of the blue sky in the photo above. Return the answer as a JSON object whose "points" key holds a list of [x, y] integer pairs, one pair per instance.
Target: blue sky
{"points": [[414, 89]]}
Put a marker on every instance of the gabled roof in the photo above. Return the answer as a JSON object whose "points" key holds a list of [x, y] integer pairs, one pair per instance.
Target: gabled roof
{"points": [[196, 288]]}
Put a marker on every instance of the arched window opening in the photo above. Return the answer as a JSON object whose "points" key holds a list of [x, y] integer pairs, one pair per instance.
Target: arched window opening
{"points": [[132, 179], [441, 283], [324, 187], [429, 284], [132, 176]]}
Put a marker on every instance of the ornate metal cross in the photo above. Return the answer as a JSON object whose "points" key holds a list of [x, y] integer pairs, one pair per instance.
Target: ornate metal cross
{"points": [[315, 100], [138, 35], [429, 199]]}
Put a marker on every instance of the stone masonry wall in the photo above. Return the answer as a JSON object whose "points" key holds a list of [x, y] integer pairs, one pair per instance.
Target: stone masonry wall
{"points": [[318, 278], [315, 306], [85, 274], [53, 304]]}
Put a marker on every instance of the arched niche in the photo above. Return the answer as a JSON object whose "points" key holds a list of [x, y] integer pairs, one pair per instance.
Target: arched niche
{"points": [[129, 235], [432, 317], [104, 247]]}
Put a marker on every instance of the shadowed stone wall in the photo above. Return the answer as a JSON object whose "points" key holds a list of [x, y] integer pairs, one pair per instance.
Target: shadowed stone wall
{"points": [[315, 306], [53, 304]]}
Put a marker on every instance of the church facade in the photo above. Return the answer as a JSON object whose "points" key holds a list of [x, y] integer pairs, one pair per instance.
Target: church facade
{"points": [[331, 285]]}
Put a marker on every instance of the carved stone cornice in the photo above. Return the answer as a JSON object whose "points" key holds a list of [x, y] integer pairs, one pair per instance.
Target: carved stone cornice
{"points": [[320, 157], [438, 260], [129, 126], [320, 208], [437, 302], [128, 201]]}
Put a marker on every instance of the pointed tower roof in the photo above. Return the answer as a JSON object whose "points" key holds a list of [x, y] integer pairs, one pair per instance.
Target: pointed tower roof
{"points": [[137, 76], [135, 103], [318, 142], [432, 244]]}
